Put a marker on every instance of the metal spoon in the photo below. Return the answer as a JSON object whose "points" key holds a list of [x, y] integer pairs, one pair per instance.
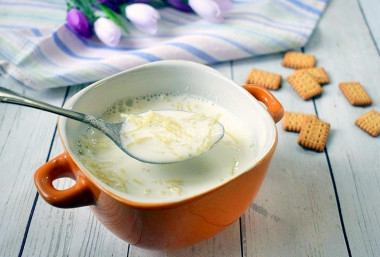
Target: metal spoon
{"points": [[111, 130]]}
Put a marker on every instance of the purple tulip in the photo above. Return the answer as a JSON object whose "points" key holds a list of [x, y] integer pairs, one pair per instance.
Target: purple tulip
{"points": [[78, 22], [107, 31], [211, 10], [143, 16], [179, 5]]}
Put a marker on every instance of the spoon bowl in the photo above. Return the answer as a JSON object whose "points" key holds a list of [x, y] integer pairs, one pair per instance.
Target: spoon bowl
{"points": [[111, 130]]}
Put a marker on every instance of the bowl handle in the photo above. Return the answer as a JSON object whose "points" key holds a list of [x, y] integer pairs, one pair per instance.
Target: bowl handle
{"points": [[262, 94], [80, 194]]}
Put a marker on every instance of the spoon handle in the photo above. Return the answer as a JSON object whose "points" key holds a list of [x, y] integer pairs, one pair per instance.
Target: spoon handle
{"points": [[9, 96]]}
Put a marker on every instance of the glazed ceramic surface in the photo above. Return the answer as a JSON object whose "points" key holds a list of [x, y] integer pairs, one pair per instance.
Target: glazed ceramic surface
{"points": [[170, 224]]}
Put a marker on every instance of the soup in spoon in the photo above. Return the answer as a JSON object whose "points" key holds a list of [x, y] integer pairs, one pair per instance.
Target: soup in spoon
{"points": [[169, 136]]}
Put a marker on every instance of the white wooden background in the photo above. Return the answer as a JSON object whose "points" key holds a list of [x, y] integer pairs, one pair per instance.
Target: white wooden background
{"points": [[311, 204]]}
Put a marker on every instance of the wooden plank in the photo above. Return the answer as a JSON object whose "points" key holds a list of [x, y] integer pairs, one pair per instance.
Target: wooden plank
{"points": [[371, 9], [69, 232], [25, 137], [76, 232], [350, 55], [295, 213]]}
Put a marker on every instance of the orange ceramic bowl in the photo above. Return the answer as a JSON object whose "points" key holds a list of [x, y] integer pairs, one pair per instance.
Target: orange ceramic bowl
{"points": [[170, 224]]}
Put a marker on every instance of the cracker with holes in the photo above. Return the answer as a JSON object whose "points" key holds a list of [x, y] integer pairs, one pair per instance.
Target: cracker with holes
{"points": [[293, 121], [266, 79], [298, 60], [370, 122], [355, 93], [313, 134], [319, 74], [305, 85]]}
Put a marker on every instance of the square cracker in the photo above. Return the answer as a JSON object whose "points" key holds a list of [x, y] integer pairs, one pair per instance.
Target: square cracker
{"points": [[293, 121], [266, 79], [313, 134], [319, 74], [298, 60], [304, 84], [355, 93], [370, 122]]}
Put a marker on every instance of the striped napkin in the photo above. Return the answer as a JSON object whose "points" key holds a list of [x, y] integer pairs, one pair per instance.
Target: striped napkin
{"points": [[37, 50]]}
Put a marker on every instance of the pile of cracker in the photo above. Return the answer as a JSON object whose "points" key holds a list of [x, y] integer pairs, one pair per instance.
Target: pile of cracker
{"points": [[307, 81]]}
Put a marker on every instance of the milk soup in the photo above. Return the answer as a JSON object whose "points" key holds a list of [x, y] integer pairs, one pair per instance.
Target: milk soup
{"points": [[144, 182]]}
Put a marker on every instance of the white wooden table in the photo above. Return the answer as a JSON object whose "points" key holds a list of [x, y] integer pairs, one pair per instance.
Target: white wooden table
{"points": [[311, 204]]}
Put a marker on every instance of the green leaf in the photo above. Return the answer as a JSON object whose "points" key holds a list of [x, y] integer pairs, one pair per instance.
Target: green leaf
{"points": [[157, 4], [86, 8], [114, 16], [69, 4]]}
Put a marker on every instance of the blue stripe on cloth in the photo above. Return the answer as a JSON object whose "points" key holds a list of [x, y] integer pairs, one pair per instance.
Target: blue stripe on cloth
{"points": [[100, 45], [305, 7], [111, 69], [293, 11], [298, 26], [232, 42], [13, 78], [283, 45], [71, 82], [32, 16], [39, 52], [241, 1], [146, 56], [36, 32], [270, 26], [251, 31], [67, 51], [39, 5], [2, 26], [195, 51]]}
